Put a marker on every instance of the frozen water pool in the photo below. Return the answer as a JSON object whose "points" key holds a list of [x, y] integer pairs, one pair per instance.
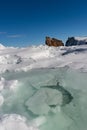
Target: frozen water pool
{"points": [[43, 99]]}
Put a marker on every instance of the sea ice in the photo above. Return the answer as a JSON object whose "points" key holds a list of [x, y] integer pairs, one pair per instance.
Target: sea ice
{"points": [[44, 103]]}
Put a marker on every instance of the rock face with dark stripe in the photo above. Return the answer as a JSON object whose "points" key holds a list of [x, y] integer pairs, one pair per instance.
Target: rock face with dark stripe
{"points": [[53, 42]]}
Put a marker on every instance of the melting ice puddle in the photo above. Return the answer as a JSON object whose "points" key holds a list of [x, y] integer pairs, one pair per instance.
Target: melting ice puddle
{"points": [[44, 99]]}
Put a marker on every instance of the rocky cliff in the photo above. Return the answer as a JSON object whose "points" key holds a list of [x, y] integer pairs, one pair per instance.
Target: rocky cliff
{"points": [[53, 42]]}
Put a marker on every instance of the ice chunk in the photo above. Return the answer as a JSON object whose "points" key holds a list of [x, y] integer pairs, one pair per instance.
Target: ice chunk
{"points": [[41, 101], [47, 97], [67, 97], [38, 121], [37, 103]]}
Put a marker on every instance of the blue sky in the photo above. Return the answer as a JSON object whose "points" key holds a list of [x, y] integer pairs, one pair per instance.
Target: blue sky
{"points": [[27, 22]]}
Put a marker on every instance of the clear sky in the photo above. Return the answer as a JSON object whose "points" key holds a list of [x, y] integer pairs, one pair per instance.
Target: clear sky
{"points": [[27, 22]]}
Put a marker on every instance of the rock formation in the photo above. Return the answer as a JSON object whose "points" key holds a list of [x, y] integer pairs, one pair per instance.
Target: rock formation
{"points": [[72, 41], [53, 42]]}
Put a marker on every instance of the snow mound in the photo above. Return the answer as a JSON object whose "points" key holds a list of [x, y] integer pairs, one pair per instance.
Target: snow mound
{"points": [[10, 59], [2, 47], [14, 122], [8, 84]]}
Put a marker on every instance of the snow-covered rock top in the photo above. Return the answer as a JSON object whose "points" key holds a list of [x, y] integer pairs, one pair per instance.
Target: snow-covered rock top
{"points": [[72, 41], [81, 38]]}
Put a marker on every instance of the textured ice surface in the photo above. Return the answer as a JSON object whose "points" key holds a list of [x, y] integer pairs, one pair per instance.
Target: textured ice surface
{"points": [[40, 102], [48, 99]]}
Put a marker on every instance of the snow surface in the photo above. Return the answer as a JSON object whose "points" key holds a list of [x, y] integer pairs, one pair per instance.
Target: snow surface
{"points": [[43, 88], [81, 38], [24, 59], [14, 122]]}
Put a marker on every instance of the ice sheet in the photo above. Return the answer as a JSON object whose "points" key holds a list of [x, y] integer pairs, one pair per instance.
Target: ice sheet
{"points": [[47, 98]]}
